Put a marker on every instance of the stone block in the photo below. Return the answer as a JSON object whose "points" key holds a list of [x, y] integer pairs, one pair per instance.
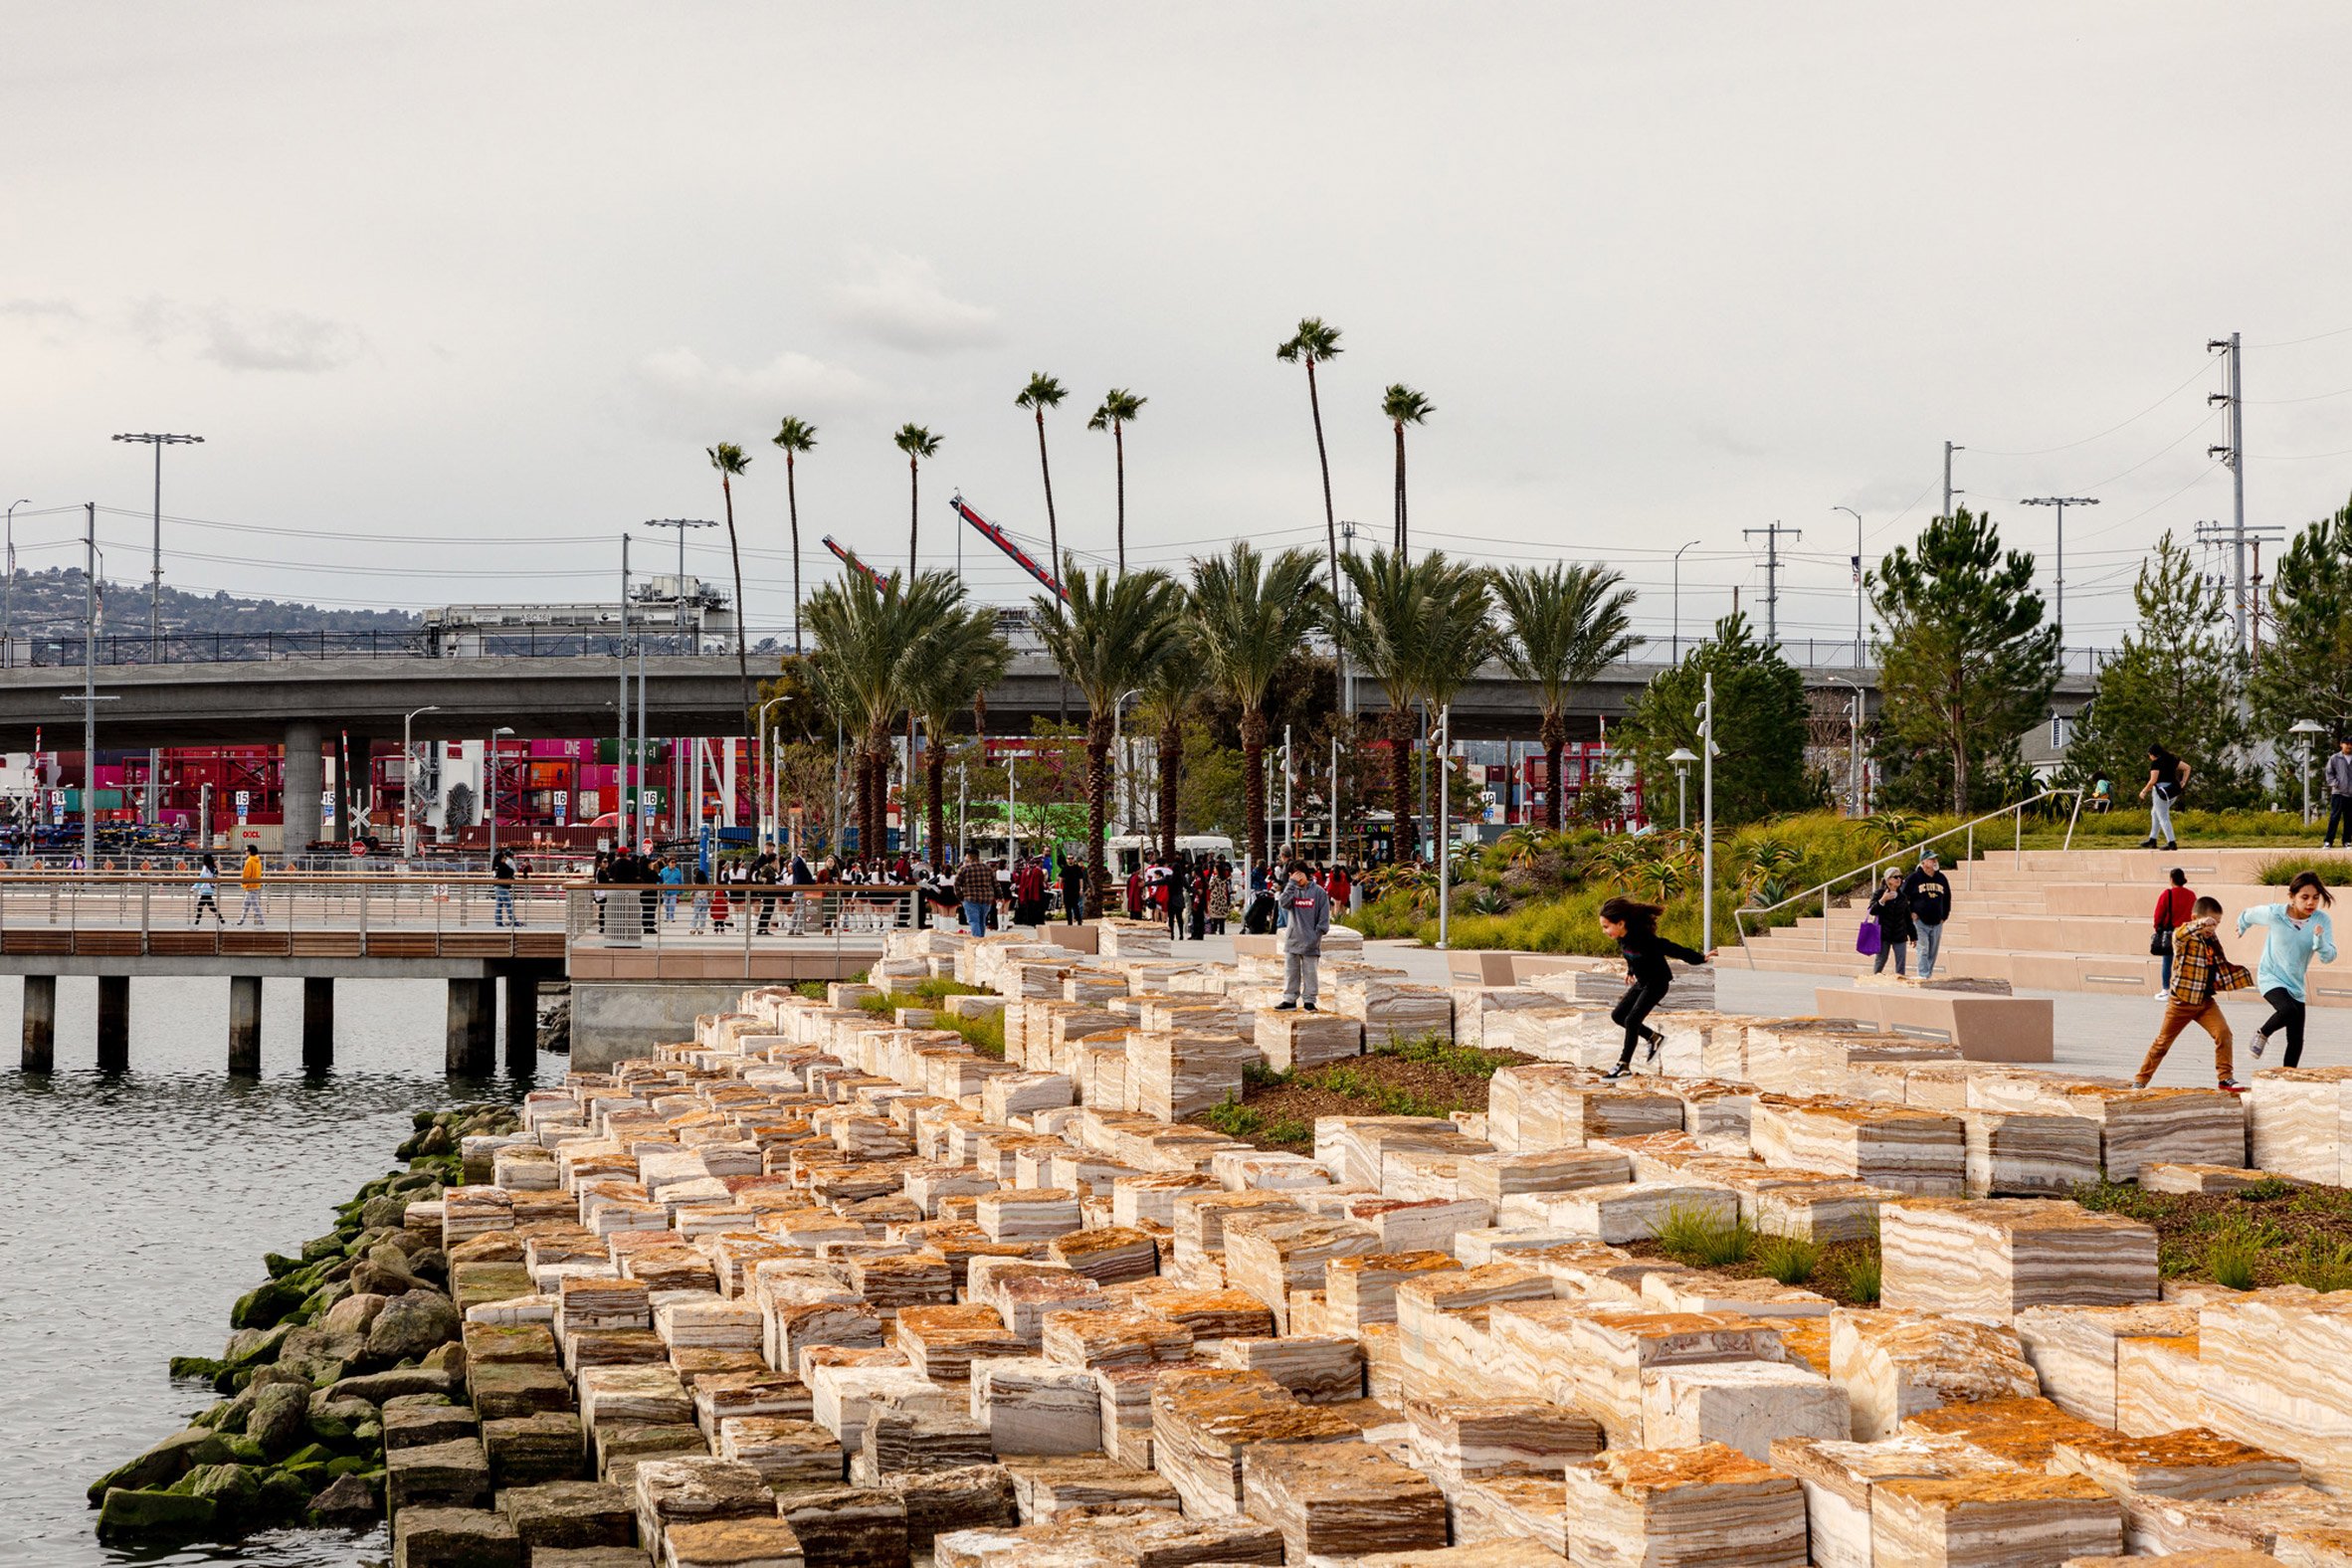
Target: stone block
{"points": [[1839, 1477], [1341, 1499], [524, 1451], [1896, 1365], [1634, 1507], [563, 1515], [2074, 1349], [453, 1537], [453, 1474], [1287, 1041], [1745, 1405], [2028, 1154], [1993, 1258], [1897, 1147], [1993, 1521]]}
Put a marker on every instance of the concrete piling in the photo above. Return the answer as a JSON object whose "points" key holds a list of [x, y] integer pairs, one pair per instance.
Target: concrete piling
{"points": [[113, 1023], [522, 1024], [244, 1026], [40, 1052], [319, 1023], [473, 1024]]}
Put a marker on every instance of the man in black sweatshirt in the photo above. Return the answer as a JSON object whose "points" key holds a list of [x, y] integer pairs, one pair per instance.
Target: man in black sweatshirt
{"points": [[1931, 905]]}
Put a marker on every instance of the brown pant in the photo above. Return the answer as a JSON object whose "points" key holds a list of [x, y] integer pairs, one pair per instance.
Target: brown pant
{"points": [[2179, 1016]]}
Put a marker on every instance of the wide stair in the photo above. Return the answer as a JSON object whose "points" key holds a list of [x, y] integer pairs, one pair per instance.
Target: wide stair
{"points": [[2068, 920]]}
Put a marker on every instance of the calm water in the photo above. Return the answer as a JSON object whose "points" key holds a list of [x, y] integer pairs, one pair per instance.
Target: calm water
{"points": [[134, 1209]]}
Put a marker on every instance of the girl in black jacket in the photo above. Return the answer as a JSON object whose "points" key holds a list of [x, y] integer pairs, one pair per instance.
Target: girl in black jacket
{"points": [[1634, 927]]}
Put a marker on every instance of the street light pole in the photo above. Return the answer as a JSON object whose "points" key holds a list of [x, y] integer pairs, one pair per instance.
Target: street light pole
{"points": [[620, 755], [1674, 654], [408, 783], [1682, 758], [154, 583], [8, 595], [2303, 729], [1858, 583], [1707, 817], [678, 757], [1445, 738], [1853, 746], [2062, 503]]}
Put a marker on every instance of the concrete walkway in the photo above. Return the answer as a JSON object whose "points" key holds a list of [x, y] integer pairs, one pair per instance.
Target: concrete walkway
{"points": [[2100, 1035]]}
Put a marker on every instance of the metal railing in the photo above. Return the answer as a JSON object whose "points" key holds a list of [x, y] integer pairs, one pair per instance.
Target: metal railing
{"points": [[1827, 889], [134, 915], [703, 914]]}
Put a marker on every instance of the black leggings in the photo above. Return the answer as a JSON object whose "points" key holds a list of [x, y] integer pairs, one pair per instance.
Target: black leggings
{"points": [[2287, 1016], [1633, 1007]]}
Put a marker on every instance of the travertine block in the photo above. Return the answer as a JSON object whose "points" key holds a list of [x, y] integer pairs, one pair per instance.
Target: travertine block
{"points": [[1521, 1515], [1033, 1406], [1896, 1365], [1993, 1258], [1270, 1256], [2137, 1126], [1179, 1074], [2028, 1154], [2200, 1180], [1612, 1349], [1708, 1505], [2275, 1377], [1995, 1520], [2159, 1384], [1456, 1438], [2192, 1464], [2299, 1120], [1341, 1499], [786, 1452], [1746, 1405], [1361, 1287], [1839, 1477], [2021, 1431], [1893, 1146], [1490, 1178], [1048, 1486], [1393, 1008], [1202, 1423], [1318, 1369], [2074, 1349], [1304, 1040], [1633, 1211]]}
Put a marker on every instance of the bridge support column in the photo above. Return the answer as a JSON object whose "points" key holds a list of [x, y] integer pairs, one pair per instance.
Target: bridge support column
{"points": [[522, 1024], [113, 1023], [305, 778], [319, 1023], [473, 1023], [40, 1024], [356, 785], [244, 1026]]}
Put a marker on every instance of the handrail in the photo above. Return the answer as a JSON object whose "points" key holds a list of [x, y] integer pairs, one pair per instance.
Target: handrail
{"points": [[2014, 810]]}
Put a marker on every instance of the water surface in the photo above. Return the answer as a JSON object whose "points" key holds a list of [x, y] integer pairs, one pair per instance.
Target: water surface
{"points": [[134, 1209]]}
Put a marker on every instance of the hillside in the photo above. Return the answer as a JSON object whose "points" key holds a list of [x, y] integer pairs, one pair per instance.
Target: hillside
{"points": [[50, 604]]}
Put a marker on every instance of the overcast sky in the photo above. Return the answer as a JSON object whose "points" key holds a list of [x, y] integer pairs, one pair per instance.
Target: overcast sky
{"points": [[455, 294]]}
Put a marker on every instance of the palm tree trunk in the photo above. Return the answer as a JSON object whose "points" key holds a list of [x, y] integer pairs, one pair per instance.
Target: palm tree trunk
{"points": [[1053, 528], [914, 504], [1400, 497], [1554, 735], [736, 558], [792, 498], [1097, 800], [1118, 442], [1171, 777], [1253, 730], [935, 782], [1407, 838], [1315, 403]]}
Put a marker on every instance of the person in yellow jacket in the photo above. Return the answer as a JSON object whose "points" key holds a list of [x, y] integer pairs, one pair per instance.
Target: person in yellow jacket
{"points": [[249, 879]]}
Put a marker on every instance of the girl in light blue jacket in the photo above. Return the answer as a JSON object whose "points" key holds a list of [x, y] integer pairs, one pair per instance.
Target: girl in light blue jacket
{"points": [[2298, 932]]}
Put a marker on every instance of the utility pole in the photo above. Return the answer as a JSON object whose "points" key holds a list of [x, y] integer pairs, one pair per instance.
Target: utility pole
{"points": [[621, 774], [1674, 643], [90, 687], [1707, 816], [2062, 503], [1772, 536], [155, 585], [2233, 456], [1949, 493], [8, 595]]}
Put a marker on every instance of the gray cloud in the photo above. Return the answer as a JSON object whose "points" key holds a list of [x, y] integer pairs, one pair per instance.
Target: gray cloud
{"points": [[680, 391], [271, 339], [901, 303]]}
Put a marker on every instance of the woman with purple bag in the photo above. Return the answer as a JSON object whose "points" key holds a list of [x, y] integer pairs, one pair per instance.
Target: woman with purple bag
{"points": [[1892, 914]]}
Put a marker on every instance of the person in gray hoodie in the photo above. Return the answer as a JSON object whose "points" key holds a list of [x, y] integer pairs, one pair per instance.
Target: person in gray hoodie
{"points": [[1307, 915], [2339, 793]]}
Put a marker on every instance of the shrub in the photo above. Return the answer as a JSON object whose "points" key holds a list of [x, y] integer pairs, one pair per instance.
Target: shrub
{"points": [[2232, 1258], [1704, 1238], [2326, 1266], [2263, 1190], [1438, 1052], [1863, 1276], [1791, 1259]]}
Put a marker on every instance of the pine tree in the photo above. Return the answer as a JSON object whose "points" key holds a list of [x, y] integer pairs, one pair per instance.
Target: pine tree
{"points": [[1966, 661], [2174, 683], [2305, 671], [1760, 728]]}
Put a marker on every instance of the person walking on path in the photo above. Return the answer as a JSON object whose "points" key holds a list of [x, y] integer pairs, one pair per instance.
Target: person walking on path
{"points": [[208, 875], [2298, 930], [2172, 909], [249, 877], [1930, 893], [1220, 899], [2199, 969], [975, 885], [502, 881], [1893, 911], [2168, 775], [1073, 891], [2339, 793], [1173, 892], [1309, 910], [1634, 927]]}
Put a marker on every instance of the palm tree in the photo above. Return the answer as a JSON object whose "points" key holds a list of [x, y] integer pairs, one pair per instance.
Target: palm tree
{"points": [[731, 462], [966, 657], [1167, 698], [1402, 406], [1315, 343], [795, 435], [918, 444], [1418, 628], [1561, 626], [873, 646], [1042, 393], [1249, 614], [1119, 407], [1118, 632]]}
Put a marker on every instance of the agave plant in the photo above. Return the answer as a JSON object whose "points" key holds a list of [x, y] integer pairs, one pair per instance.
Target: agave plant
{"points": [[1615, 860], [1488, 900], [1521, 847], [1893, 829], [1765, 867], [1662, 878]]}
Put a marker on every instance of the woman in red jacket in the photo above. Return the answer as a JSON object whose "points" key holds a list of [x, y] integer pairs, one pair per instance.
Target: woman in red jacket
{"points": [[2173, 908]]}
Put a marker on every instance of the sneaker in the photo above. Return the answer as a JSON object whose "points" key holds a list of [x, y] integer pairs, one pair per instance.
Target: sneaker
{"points": [[2172, 848], [2162, 995], [2230, 1086], [1306, 1007], [1617, 1071], [1285, 1006], [2148, 842], [1655, 1040], [2261, 1042]]}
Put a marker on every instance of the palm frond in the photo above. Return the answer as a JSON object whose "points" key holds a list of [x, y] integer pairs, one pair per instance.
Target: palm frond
{"points": [[1043, 391], [1314, 342], [795, 435], [917, 441], [728, 457], [1405, 406]]}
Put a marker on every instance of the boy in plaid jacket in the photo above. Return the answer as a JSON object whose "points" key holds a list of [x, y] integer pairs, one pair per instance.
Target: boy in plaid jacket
{"points": [[2200, 969]]}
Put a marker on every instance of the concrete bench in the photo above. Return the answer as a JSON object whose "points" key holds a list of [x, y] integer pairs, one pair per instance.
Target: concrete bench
{"points": [[1982, 1027]]}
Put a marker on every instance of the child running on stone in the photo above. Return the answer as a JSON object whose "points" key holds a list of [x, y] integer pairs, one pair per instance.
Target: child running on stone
{"points": [[1634, 927], [2199, 970]]}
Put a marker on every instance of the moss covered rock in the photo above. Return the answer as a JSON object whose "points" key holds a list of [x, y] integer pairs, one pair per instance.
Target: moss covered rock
{"points": [[163, 1464], [265, 1304], [128, 1515]]}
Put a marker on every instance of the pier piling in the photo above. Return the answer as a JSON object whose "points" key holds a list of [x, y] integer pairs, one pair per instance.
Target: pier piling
{"points": [[244, 1026], [113, 1023], [319, 1023], [473, 1023], [40, 1024], [522, 1024]]}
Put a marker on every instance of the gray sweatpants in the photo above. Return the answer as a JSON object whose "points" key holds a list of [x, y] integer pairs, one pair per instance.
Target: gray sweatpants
{"points": [[1298, 976]]}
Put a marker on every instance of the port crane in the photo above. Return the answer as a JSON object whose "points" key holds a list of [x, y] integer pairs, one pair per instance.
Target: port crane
{"points": [[1004, 542], [849, 557]]}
